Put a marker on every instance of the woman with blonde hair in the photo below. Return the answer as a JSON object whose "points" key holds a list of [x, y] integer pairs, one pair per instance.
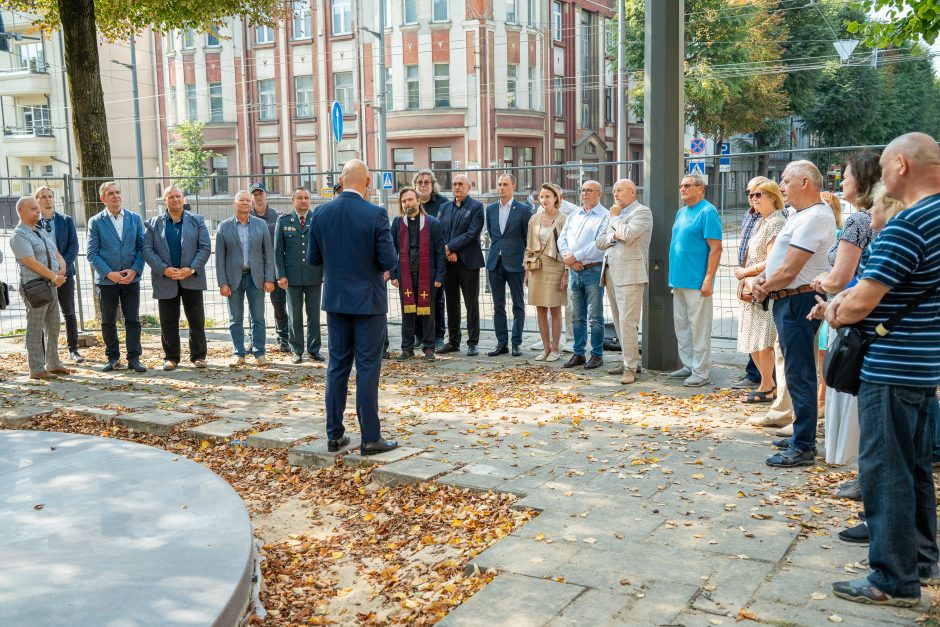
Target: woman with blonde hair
{"points": [[756, 330], [545, 273]]}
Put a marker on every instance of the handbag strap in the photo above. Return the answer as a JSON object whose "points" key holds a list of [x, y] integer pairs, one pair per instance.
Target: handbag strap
{"points": [[885, 327], [46, 246]]}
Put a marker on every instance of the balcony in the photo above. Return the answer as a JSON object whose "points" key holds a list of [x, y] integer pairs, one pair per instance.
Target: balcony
{"points": [[29, 141], [25, 81]]}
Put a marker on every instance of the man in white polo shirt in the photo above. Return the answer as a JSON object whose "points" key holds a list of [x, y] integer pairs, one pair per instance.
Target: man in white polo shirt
{"points": [[799, 253]]}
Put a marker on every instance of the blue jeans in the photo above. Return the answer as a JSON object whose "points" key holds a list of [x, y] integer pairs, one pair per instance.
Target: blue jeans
{"points": [[897, 485], [797, 341], [236, 310], [587, 302]]}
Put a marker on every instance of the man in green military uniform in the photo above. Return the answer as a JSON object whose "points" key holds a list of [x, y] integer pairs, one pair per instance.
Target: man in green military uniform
{"points": [[302, 281]]}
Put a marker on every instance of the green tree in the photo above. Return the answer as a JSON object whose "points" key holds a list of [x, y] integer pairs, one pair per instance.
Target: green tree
{"points": [[847, 104], [908, 94], [907, 20], [189, 163], [82, 20]]}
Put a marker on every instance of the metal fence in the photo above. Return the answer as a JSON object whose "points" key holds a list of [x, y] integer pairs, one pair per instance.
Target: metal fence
{"points": [[215, 203]]}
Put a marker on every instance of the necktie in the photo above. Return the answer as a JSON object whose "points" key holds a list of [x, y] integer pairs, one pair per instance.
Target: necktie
{"points": [[301, 223]]}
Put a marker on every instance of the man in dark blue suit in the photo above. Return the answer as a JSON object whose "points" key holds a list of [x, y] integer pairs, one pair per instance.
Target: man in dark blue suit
{"points": [[62, 230], [507, 222], [462, 222], [350, 238]]}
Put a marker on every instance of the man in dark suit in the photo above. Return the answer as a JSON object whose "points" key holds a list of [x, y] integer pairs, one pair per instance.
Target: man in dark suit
{"points": [[462, 221], [62, 230], [177, 247], [419, 274], [302, 281], [115, 240], [350, 238], [507, 222]]}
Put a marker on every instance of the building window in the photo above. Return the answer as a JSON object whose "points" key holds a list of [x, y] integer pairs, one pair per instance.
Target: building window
{"points": [[191, 104], [559, 155], [532, 87], [173, 108], [556, 20], [610, 37], [264, 35], [267, 109], [442, 161], [441, 85], [439, 11], [559, 88], [530, 6], [410, 9], [389, 101], [219, 176], [403, 162], [301, 19], [589, 98], [269, 170], [511, 73], [31, 57], [388, 13], [342, 17], [511, 11], [303, 96], [507, 157], [216, 111], [37, 120], [525, 178], [609, 104], [411, 86], [189, 39], [344, 91], [212, 40], [170, 40], [307, 167]]}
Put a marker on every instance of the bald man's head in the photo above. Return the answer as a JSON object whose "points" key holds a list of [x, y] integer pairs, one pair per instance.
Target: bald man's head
{"points": [[624, 191], [355, 175], [910, 167], [919, 149]]}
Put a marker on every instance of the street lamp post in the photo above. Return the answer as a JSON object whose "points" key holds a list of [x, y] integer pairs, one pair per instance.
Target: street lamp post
{"points": [[132, 66], [379, 105]]}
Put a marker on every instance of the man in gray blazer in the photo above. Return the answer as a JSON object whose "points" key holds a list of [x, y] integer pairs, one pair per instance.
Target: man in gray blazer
{"points": [[627, 242], [177, 247], [244, 266], [302, 281]]}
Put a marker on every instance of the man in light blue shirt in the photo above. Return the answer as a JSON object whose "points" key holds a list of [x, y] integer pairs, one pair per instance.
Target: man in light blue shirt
{"points": [[694, 253], [583, 258]]}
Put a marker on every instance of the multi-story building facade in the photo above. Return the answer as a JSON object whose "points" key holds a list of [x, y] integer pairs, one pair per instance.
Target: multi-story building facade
{"points": [[36, 142], [469, 84]]}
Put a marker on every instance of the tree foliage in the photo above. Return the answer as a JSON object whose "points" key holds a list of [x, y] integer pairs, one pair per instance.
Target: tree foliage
{"points": [[906, 20], [189, 163]]}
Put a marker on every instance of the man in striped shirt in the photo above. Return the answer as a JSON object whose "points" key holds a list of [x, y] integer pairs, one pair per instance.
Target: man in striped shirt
{"points": [[899, 379]]}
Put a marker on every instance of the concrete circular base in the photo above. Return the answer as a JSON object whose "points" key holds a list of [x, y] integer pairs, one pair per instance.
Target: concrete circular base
{"points": [[104, 532]]}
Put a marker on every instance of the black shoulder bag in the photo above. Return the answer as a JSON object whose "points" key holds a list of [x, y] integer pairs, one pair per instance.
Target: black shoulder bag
{"points": [[38, 292], [842, 367]]}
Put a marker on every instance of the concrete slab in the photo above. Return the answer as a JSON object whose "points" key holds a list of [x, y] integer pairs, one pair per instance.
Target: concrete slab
{"points": [[218, 430], [513, 600], [413, 470], [155, 421], [16, 417], [95, 413], [594, 607], [106, 532], [315, 455], [402, 452], [284, 436]]}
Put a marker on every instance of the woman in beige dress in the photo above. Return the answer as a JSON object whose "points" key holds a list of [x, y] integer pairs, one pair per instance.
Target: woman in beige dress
{"points": [[546, 275]]}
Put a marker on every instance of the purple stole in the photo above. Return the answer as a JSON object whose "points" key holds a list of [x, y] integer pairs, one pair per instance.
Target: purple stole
{"points": [[421, 306]]}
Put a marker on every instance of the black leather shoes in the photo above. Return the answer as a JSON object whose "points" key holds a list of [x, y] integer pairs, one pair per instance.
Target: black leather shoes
{"points": [[516, 350], [136, 366], [386, 355], [501, 349], [379, 446], [111, 365], [405, 356], [862, 591], [472, 350], [333, 446], [448, 348], [576, 360], [438, 345], [317, 357], [429, 355], [855, 535], [594, 362]]}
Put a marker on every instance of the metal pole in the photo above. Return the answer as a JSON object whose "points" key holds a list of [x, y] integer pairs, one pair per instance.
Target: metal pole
{"points": [[663, 134], [623, 121], [141, 201], [381, 147]]}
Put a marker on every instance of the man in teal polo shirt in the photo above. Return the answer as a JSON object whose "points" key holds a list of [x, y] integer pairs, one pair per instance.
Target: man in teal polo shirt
{"points": [[693, 261]]}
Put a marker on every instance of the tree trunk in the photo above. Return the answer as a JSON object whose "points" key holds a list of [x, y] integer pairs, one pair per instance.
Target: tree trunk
{"points": [[89, 120]]}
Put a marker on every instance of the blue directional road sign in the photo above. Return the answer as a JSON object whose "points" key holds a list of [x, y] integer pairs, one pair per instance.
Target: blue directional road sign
{"points": [[387, 180], [697, 146], [697, 167], [336, 116]]}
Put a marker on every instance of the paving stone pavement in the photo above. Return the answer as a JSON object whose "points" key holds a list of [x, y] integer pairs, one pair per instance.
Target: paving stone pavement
{"points": [[656, 505]]}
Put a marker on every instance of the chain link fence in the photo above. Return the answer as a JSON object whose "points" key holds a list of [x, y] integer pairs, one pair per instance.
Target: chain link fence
{"points": [[725, 189]]}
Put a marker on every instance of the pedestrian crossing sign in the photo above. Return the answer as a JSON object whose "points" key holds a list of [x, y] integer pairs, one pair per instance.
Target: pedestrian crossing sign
{"points": [[387, 180], [697, 167]]}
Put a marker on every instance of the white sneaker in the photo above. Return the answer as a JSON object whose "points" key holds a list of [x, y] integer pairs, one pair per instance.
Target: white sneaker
{"points": [[537, 346], [695, 381], [541, 357], [237, 361], [681, 373], [261, 360], [552, 357]]}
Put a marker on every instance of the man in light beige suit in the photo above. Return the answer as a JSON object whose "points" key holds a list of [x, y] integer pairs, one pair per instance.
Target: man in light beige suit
{"points": [[627, 242]]}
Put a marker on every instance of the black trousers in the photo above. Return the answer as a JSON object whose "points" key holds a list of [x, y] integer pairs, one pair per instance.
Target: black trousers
{"points": [[127, 297], [169, 309], [413, 325], [67, 306], [462, 280], [439, 327], [279, 303]]}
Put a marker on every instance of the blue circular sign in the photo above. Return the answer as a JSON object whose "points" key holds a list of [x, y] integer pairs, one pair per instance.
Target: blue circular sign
{"points": [[698, 146], [336, 117]]}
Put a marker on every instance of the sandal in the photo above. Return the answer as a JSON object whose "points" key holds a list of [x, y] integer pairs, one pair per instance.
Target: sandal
{"points": [[762, 397]]}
